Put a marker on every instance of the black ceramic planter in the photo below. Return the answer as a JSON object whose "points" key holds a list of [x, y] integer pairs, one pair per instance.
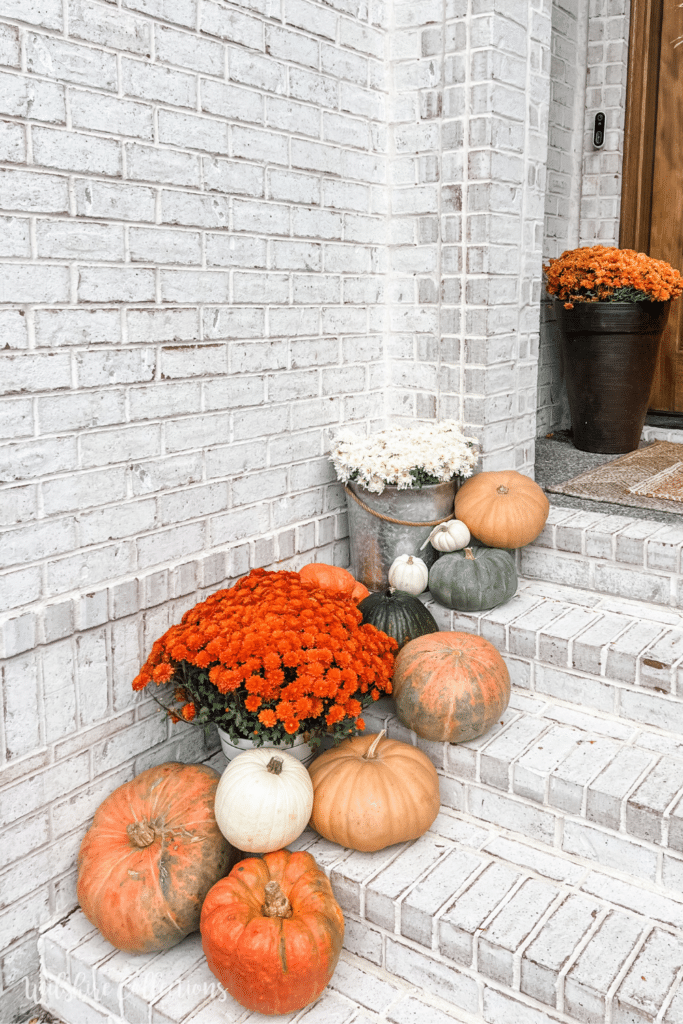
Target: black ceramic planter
{"points": [[609, 354]]}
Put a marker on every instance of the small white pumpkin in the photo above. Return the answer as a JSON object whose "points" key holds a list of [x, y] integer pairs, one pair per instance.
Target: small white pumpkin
{"points": [[450, 536], [264, 800], [409, 574]]}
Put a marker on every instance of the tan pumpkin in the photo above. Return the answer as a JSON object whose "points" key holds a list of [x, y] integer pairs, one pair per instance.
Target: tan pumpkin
{"points": [[450, 686], [370, 792], [503, 510]]}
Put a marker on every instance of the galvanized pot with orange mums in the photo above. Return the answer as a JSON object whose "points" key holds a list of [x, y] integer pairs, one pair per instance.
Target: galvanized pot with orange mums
{"points": [[270, 658]]}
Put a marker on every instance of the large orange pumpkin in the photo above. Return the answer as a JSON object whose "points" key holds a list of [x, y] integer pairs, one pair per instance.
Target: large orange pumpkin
{"points": [[272, 931], [503, 510], [450, 686], [151, 855], [333, 579], [370, 792]]}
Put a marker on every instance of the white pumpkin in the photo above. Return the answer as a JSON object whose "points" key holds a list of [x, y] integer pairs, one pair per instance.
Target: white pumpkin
{"points": [[263, 800], [408, 573], [450, 536]]}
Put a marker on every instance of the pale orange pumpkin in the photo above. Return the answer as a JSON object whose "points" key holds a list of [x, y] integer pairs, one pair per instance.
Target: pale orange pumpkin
{"points": [[504, 509], [370, 792], [151, 855], [334, 579], [450, 686]]}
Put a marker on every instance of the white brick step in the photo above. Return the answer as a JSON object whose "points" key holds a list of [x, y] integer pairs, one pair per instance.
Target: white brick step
{"points": [[466, 924], [609, 655], [592, 788], [632, 558]]}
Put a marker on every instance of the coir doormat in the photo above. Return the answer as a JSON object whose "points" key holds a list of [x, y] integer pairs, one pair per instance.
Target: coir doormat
{"points": [[649, 477]]}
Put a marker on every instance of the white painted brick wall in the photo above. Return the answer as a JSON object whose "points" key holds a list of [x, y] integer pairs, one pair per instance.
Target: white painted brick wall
{"points": [[228, 228], [193, 225], [583, 198]]}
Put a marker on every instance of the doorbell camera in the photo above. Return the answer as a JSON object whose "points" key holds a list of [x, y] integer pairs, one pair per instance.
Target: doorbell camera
{"points": [[599, 130]]}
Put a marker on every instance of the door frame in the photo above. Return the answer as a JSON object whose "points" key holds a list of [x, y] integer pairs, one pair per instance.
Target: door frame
{"points": [[639, 127]]}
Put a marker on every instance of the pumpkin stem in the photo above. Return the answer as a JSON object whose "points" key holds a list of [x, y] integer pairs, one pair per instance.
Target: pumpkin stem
{"points": [[470, 554], [141, 833], [274, 766], [371, 752], [276, 903], [502, 489]]}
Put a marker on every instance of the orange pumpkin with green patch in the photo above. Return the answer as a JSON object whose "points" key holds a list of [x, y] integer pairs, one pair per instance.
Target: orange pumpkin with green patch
{"points": [[151, 855], [450, 686]]}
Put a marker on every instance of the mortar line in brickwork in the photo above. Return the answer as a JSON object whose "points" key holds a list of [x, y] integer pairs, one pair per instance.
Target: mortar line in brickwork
{"points": [[577, 636], [558, 835], [675, 668], [521, 949], [604, 650], [625, 968], [362, 885], [666, 817], [601, 768], [490, 917], [481, 750], [527, 748], [398, 902], [454, 897], [600, 917], [669, 998]]}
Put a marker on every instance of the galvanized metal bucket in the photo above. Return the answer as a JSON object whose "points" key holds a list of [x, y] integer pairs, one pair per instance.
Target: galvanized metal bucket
{"points": [[375, 542]]}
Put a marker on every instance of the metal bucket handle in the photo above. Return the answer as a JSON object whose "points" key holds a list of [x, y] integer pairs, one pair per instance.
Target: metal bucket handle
{"points": [[390, 519]]}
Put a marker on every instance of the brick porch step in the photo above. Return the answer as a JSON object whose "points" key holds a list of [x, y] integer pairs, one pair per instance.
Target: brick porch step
{"points": [[589, 787], [637, 559], [550, 888], [468, 924], [612, 656]]}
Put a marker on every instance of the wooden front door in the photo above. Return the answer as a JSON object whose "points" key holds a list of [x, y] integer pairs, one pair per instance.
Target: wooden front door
{"points": [[652, 189]]}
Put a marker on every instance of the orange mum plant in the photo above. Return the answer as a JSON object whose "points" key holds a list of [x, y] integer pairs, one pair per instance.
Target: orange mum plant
{"points": [[272, 657], [601, 274]]}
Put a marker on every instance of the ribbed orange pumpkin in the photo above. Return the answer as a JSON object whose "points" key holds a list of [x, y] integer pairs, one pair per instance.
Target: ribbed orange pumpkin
{"points": [[151, 855], [450, 686], [370, 792], [272, 931], [333, 579], [503, 510]]}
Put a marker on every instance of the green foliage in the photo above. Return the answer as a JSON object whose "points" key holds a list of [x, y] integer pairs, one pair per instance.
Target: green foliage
{"points": [[239, 723]]}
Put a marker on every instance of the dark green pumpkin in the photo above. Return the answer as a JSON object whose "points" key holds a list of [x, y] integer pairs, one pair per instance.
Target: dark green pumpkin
{"points": [[398, 614], [474, 579]]}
